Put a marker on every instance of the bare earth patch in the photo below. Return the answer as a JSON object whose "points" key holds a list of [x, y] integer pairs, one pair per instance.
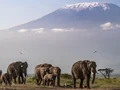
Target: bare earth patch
{"points": [[26, 87]]}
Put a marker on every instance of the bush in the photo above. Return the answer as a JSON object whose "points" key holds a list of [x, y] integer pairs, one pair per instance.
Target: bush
{"points": [[66, 76]]}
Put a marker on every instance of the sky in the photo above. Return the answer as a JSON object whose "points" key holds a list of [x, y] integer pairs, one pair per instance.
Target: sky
{"points": [[58, 47], [16, 12]]}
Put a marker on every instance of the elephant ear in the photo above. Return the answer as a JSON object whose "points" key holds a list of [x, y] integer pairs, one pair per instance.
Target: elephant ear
{"points": [[25, 64], [17, 65], [93, 64]]}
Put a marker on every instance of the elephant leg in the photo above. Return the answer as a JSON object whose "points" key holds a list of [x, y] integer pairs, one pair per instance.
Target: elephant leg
{"points": [[74, 82], [88, 81], [15, 80], [5, 81], [48, 83], [22, 79], [0, 82], [53, 82], [9, 82], [58, 80], [37, 82], [81, 83], [19, 79], [45, 82], [40, 82]]}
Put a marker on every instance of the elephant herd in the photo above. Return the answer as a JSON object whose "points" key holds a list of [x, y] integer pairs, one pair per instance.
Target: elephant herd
{"points": [[46, 74]]}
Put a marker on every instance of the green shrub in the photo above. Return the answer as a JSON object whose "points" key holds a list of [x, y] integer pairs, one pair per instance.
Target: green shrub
{"points": [[66, 76]]}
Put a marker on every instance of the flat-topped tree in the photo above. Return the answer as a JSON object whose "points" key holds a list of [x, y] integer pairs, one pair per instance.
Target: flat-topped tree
{"points": [[106, 72]]}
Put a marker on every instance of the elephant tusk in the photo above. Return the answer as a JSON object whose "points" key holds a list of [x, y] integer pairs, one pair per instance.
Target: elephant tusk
{"points": [[24, 75]]}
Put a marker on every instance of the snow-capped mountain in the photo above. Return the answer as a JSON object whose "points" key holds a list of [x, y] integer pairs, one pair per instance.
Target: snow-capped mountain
{"points": [[84, 6], [78, 15]]}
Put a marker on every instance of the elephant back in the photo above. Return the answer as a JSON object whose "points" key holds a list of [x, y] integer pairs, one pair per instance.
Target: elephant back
{"points": [[49, 76], [43, 65], [40, 65], [46, 65]]}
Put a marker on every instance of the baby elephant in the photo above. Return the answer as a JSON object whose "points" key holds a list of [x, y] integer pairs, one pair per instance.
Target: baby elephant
{"points": [[49, 79], [6, 78]]}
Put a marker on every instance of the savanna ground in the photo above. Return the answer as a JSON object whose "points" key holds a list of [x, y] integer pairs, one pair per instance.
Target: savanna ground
{"points": [[100, 84]]}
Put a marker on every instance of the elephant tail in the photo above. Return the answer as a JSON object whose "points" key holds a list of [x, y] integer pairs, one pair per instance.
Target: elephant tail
{"points": [[0, 73]]}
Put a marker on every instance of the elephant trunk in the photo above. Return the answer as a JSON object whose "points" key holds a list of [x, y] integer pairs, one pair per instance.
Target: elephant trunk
{"points": [[94, 74], [25, 73], [24, 78]]}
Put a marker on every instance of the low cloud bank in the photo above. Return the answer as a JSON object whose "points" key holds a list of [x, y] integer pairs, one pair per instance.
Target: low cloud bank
{"points": [[109, 26], [22, 30], [65, 30]]}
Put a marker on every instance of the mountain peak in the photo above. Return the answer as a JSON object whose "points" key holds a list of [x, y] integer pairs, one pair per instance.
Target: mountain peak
{"points": [[88, 5], [79, 15]]}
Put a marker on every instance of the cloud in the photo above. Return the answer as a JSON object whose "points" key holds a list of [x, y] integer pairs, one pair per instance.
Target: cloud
{"points": [[65, 30], [39, 30], [118, 25], [109, 25], [106, 26], [22, 30], [58, 30]]}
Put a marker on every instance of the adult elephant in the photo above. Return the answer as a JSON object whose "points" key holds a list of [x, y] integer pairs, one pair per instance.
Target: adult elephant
{"points": [[82, 70], [79, 71], [18, 69], [56, 71]]}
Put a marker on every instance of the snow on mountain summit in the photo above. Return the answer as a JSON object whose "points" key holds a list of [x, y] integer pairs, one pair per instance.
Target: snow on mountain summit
{"points": [[86, 5]]}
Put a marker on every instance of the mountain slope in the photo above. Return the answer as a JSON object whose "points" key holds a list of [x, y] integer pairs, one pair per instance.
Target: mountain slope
{"points": [[78, 15]]}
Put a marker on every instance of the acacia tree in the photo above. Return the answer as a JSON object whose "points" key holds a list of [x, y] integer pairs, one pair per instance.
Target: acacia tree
{"points": [[106, 72]]}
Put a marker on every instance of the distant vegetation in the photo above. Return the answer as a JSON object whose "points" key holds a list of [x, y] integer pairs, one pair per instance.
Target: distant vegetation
{"points": [[66, 76]]}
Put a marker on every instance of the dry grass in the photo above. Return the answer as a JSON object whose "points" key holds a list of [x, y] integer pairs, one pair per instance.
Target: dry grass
{"points": [[100, 84]]}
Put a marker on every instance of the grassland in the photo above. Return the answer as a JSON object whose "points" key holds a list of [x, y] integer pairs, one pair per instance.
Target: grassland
{"points": [[100, 84]]}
